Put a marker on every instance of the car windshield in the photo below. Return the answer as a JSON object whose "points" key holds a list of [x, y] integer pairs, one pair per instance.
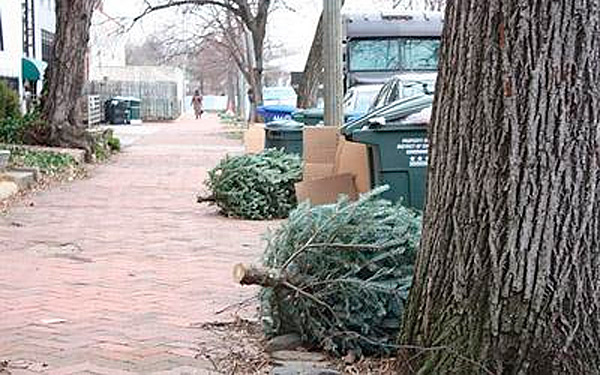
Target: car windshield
{"points": [[394, 54], [364, 100], [273, 93]]}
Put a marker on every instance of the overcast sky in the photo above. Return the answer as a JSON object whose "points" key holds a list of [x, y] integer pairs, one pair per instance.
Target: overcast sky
{"points": [[293, 28]]}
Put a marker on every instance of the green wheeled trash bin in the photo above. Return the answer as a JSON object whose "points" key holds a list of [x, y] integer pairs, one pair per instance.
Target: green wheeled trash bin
{"points": [[123, 110], [284, 134], [135, 115], [316, 116], [397, 146], [397, 158]]}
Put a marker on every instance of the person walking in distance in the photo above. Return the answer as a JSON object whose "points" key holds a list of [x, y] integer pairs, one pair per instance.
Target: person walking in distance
{"points": [[197, 104]]}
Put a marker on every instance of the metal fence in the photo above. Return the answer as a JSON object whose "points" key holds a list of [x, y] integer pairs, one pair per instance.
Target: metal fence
{"points": [[94, 110], [159, 99]]}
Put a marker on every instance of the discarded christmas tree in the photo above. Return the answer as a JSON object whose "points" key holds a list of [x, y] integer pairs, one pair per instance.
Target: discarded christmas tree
{"points": [[339, 274], [255, 187]]}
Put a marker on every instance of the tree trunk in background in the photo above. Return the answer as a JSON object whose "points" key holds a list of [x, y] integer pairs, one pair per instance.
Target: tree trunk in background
{"points": [[312, 77], [313, 71], [508, 274], [258, 32], [66, 75]]}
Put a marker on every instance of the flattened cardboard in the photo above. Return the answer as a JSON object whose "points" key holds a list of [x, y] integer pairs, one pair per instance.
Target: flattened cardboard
{"points": [[315, 171], [320, 144], [254, 139], [326, 190], [353, 158]]}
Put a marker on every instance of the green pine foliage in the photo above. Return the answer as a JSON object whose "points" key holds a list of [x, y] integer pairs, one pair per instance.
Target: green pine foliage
{"points": [[349, 268], [256, 187]]}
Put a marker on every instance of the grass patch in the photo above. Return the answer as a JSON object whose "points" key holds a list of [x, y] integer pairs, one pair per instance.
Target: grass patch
{"points": [[47, 162]]}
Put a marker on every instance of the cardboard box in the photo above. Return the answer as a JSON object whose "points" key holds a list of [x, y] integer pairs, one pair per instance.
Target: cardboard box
{"points": [[332, 166], [326, 190], [353, 158], [315, 171], [254, 138], [320, 144]]}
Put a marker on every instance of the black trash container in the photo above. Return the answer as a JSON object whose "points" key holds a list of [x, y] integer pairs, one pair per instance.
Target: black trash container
{"points": [[117, 111], [284, 134]]}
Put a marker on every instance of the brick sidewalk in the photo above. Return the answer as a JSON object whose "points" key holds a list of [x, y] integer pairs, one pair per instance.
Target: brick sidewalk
{"points": [[107, 275]]}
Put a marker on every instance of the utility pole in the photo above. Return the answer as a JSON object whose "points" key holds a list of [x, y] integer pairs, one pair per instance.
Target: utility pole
{"points": [[332, 61]]}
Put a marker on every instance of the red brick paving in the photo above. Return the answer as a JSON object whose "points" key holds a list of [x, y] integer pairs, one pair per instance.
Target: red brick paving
{"points": [[126, 260]]}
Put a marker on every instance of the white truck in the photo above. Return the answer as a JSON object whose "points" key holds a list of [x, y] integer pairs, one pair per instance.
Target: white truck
{"points": [[383, 44]]}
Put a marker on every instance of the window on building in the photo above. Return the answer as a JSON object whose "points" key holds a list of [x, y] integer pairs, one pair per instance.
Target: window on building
{"points": [[1, 35], [47, 42]]}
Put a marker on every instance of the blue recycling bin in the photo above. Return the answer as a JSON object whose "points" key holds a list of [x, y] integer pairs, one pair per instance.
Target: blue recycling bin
{"points": [[272, 113]]}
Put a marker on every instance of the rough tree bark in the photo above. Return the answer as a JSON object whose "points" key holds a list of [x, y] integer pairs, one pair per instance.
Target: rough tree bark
{"points": [[66, 76], [508, 274]]}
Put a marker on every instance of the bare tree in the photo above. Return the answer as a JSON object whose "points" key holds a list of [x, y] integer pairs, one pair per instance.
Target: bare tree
{"points": [[507, 280], [66, 76], [250, 13], [434, 5]]}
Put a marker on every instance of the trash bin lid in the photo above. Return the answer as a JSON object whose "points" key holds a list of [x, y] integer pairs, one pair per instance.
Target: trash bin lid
{"points": [[319, 114], [312, 112], [285, 125], [126, 98], [390, 114]]}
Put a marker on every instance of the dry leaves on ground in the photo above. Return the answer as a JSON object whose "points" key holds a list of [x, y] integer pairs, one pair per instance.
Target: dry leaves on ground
{"points": [[240, 348]]}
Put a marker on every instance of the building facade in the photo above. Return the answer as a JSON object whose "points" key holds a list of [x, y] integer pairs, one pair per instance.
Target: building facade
{"points": [[39, 27], [11, 44], [27, 29]]}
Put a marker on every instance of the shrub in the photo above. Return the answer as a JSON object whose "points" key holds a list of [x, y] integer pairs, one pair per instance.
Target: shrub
{"points": [[114, 144], [9, 103], [20, 130]]}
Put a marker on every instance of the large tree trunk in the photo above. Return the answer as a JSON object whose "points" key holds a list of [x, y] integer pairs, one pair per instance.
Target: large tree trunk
{"points": [[66, 75], [508, 275]]}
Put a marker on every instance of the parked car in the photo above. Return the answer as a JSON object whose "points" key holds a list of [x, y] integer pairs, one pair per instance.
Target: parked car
{"points": [[356, 104], [280, 95], [403, 86], [358, 99]]}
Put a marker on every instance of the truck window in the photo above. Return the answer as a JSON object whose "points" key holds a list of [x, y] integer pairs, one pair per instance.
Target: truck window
{"points": [[420, 54], [393, 54], [379, 54]]}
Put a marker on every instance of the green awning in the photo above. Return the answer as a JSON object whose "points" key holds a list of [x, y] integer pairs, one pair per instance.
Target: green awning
{"points": [[33, 69]]}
